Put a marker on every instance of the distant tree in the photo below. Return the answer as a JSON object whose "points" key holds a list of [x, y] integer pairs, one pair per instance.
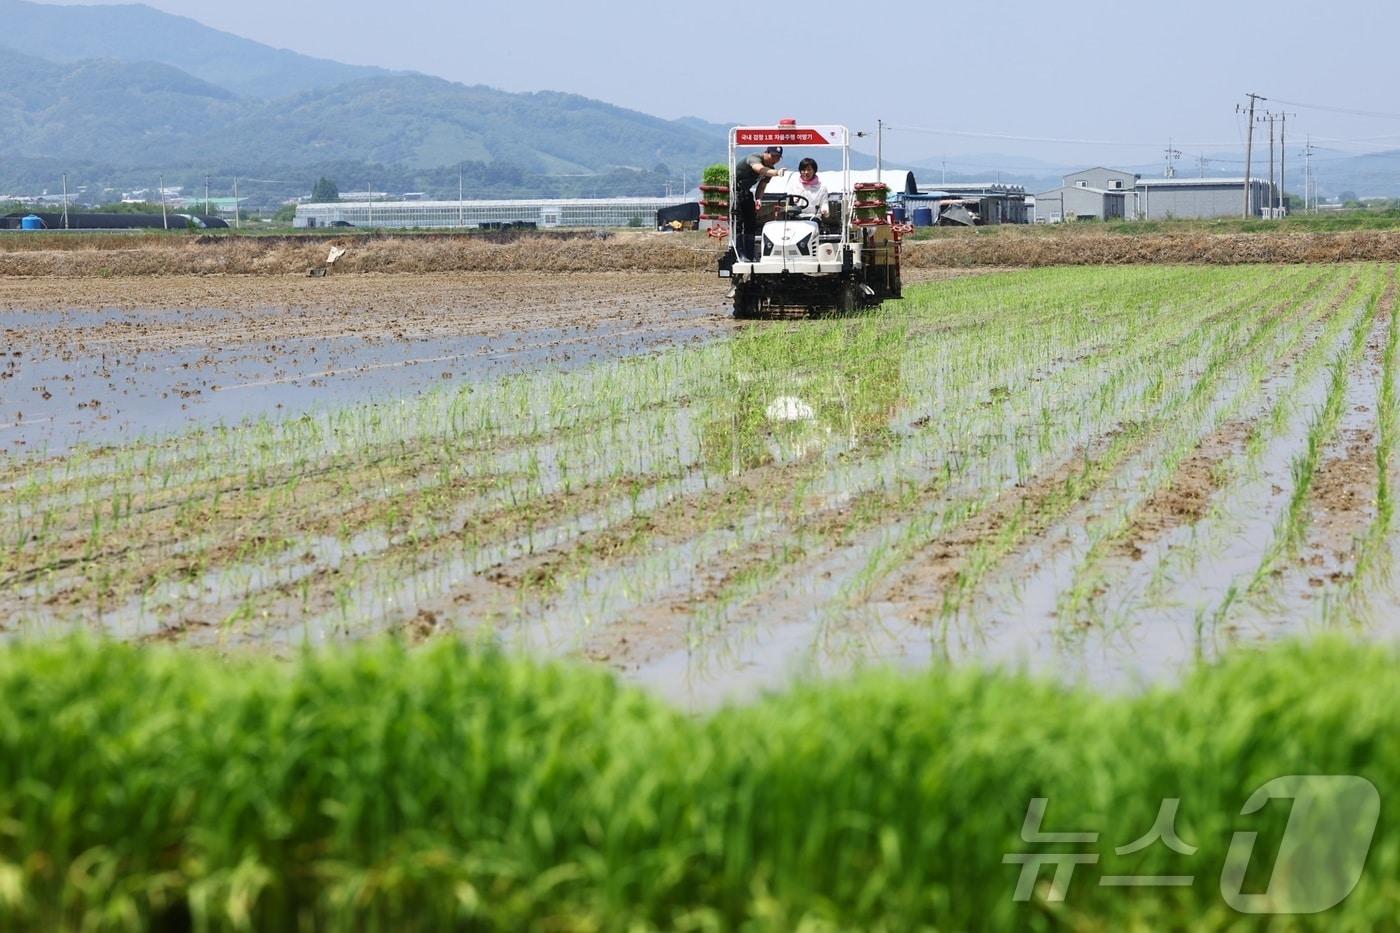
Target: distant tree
{"points": [[285, 214], [1346, 196], [325, 190], [131, 207]]}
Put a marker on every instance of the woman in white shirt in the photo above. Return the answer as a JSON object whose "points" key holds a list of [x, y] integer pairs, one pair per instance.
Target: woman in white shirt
{"points": [[810, 186]]}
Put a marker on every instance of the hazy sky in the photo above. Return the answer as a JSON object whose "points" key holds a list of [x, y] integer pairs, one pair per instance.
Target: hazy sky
{"points": [[1058, 81]]}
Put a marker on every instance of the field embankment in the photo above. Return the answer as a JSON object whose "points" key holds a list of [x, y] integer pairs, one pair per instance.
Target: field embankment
{"points": [[106, 256], [448, 788]]}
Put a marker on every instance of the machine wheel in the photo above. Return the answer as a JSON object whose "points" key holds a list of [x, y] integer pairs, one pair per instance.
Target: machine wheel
{"points": [[848, 297], [746, 301]]}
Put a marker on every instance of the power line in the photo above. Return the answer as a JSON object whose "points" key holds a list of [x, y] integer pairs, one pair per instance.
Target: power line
{"points": [[1042, 139], [1378, 114]]}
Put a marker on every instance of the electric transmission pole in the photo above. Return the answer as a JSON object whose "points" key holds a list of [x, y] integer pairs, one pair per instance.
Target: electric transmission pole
{"points": [[1172, 156], [1273, 192], [1309, 186], [1282, 160], [1249, 148]]}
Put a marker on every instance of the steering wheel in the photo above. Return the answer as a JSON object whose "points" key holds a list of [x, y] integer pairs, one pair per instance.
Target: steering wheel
{"points": [[797, 203]]}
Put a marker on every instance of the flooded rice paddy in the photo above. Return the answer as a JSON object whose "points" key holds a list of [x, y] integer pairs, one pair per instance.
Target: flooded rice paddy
{"points": [[1103, 473]]}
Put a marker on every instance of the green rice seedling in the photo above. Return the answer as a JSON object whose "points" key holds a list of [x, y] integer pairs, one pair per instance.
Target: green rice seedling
{"points": [[455, 786], [1292, 522]]}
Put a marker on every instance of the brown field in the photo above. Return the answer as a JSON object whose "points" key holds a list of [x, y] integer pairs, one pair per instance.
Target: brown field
{"points": [[141, 255]]}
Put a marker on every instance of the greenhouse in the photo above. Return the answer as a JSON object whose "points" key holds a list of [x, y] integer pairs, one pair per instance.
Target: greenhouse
{"points": [[579, 212]]}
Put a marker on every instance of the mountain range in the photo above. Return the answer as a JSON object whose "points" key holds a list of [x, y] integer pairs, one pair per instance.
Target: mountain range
{"points": [[117, 96]]}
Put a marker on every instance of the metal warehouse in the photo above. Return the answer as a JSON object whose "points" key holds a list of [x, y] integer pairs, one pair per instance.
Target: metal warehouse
{"points": [[581, 212], [1163, 198], [1079, 202]]}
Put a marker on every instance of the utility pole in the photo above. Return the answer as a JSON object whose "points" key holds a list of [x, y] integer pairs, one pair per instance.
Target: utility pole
{"points": [[1249, 148], [237, 214], [459, 194], [164, 220], [1203, 161], [1309, 188], [1282, 157], [1273, 192], [206, 194], [1172, 156], [945, 173], [65, 200]]}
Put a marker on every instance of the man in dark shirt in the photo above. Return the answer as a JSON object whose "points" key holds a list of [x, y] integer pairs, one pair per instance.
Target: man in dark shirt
{"points": [[756, 169]]}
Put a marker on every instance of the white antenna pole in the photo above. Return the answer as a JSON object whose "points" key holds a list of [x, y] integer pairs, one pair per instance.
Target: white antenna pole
{"points": [[879, 150], [164, 220], [237, 214], [65, 200]]}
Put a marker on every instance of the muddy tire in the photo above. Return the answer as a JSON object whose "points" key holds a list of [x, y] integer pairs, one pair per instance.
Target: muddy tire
{"points": [[746, 303], [848, 297]]}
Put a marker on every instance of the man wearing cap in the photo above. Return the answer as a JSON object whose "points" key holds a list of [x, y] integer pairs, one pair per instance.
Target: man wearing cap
{"points": [[756, 169]]}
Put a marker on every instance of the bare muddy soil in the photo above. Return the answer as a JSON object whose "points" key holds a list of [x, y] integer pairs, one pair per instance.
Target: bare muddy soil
{"points": [[82, 256], [99, 360]]}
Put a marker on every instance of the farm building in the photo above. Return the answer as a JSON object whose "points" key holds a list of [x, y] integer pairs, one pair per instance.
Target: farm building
{"points": [[1149, 198], [1162, 198], [1079, 202], [1107, 179], [580, 212]]}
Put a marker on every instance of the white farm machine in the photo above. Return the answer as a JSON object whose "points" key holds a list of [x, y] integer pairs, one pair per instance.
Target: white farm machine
{"points": [[845, 262]]}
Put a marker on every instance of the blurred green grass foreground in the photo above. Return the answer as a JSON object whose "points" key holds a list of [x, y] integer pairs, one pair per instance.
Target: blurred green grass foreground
{"points": [[453, 787]]}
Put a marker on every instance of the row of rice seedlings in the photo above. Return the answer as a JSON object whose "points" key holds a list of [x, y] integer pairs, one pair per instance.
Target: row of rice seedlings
{"points": [[455, 575], [473, 415], [423, 516], [1080, 602], [1351, 599], [346, 431], [755, 579], [715, 490], [778, 550], [1174, 406], [1124, 394], [1373, 568], [433, 452], [1223, 540], [601, 449], [874, 628], [1292, 524], [1193, 576]]}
